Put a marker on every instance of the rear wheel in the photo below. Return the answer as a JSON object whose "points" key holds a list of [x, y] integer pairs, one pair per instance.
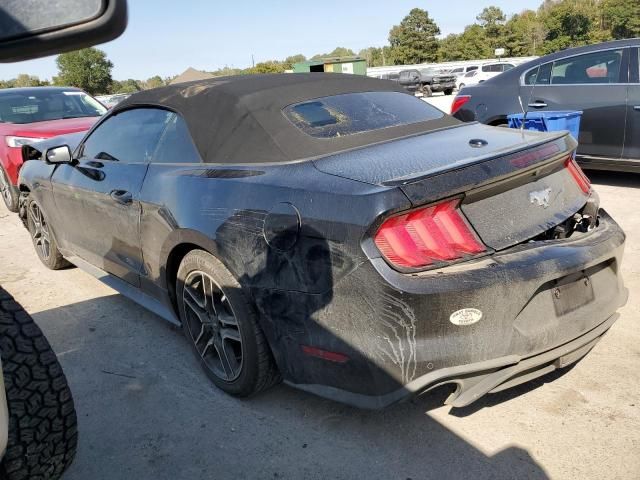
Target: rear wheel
{"points": [[448, 91], [8, 192], [42, 418], [43, 240], [219, 322]]}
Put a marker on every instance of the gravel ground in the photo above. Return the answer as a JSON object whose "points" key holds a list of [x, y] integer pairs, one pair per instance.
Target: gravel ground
{"points": [[146, 411]]}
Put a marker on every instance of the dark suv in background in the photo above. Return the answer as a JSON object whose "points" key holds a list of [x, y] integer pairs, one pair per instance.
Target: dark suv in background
{"points": [[425, 81], [603, 81]]}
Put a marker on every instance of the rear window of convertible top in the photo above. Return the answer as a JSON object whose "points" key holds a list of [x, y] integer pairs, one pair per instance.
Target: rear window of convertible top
{"points": [[351, 113]]}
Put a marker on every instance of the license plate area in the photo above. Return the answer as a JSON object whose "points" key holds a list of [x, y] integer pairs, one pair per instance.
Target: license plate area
{"points": [[571, 295]]}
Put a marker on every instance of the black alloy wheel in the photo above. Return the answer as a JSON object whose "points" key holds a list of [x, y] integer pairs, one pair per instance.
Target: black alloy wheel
{"points": [[212, 326], [40, 232]]}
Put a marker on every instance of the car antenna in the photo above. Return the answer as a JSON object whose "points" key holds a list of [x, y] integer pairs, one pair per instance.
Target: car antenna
{"points": [[526, 111]]}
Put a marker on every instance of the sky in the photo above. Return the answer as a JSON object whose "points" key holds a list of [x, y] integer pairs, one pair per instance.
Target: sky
{"points": [[166, 37]]}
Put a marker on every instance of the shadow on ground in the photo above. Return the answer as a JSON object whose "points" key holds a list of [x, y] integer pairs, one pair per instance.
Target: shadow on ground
{"points": [[147, 411]]}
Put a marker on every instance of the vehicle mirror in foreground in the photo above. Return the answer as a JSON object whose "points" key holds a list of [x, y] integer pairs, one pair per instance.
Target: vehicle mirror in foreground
{"points": [[58, 155], [38, 28]]}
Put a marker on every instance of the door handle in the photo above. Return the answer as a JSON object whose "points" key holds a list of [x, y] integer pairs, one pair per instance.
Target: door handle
{"points": [[538, 104], [121, 196]]}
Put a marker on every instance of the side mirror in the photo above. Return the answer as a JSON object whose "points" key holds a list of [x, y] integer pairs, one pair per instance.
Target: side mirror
{"points": [[59, 155], [37, 28]]}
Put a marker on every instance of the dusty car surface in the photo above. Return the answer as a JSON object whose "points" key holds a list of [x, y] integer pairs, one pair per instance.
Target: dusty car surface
{"points": [[335, 232]]}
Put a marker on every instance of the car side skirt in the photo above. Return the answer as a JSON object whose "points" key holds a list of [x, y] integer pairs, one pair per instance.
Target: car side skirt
{"points": [[127, 290]]}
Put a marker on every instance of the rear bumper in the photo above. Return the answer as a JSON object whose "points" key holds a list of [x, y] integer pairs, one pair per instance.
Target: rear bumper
{"points": [[440, 87], [474, 380], [397, 332]]}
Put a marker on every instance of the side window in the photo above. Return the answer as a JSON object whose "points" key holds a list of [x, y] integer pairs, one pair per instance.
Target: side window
{"points": [[471, 69], [176, 145], [506, 66], [596, 68], [130, 136], [539, 78]]}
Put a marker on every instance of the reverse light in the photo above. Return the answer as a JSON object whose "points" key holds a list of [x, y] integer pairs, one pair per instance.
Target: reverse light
{"points": [[430, 235], [577, 174], [458, 102], [16, 142]]}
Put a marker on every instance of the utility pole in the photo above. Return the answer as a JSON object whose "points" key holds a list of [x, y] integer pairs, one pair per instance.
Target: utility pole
{"points": [[253, 63]]}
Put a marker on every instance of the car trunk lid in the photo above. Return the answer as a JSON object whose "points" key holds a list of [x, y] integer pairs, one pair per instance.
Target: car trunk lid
{"points": [[513, 183]]}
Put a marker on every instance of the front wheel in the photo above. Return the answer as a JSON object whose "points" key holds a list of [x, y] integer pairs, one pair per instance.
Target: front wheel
{"points": [[448, 91], [42, 418], [8, 192], [219, 322], [43, 239]]}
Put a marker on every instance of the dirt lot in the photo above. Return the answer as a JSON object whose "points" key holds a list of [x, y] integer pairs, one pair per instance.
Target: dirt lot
{"points": [[147, 412]]}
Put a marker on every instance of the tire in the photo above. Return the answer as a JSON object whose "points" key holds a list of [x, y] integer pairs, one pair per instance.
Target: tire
{"points": [[43, 434], [448, 91], [43, 239], [231, 330], [8, 192]]}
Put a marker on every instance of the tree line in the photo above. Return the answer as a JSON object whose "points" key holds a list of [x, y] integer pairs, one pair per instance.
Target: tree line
{"points": [[556, 25]]}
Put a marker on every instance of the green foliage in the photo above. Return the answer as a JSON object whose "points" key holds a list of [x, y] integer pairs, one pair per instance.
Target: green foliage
{"points": [[524, 34], [414, 40], [154, 82], [125, 86], [622, 18], [270, 66], [568, 24], [290, 60], [469, 45], [23, 80], [88, 69], [337, 52]]}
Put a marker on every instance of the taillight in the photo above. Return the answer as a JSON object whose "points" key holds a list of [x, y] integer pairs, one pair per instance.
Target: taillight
{"points": [[458, 102], [578, 175], [427, 236]]}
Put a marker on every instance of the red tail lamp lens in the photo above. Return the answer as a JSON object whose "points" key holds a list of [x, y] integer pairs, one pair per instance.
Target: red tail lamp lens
{"points": [[324, 354], [578, 175], [434, 234], [458, 102]]}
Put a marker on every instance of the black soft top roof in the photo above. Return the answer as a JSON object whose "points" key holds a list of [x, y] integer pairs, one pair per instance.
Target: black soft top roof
{"points": [[239, 119]]}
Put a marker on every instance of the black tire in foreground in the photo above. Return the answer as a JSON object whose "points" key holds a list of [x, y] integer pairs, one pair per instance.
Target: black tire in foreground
{"points": [[220, 323], [43, 239], [42, 418], [8, 192], [448, 91]]}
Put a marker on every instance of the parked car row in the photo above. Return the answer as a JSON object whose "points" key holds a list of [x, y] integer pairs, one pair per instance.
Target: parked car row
{"points": [[602, 81]]}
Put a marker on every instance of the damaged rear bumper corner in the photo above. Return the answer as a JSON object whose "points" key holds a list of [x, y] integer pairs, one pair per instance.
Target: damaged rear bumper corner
{"points": [[476, 379]]}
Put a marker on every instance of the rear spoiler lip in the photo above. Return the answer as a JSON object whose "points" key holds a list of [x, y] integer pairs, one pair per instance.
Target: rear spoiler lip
{"points": [[493, 155]]}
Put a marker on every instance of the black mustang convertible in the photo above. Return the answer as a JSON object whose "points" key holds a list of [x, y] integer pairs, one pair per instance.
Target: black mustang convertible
{"points": [[334, 232]]}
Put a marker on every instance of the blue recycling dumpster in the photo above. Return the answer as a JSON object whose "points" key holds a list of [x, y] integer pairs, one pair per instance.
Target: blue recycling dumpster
{"points": [[548, 121]]}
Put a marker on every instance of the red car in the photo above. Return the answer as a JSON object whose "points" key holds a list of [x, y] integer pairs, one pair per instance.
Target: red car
{"points": [[28, 115]]}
